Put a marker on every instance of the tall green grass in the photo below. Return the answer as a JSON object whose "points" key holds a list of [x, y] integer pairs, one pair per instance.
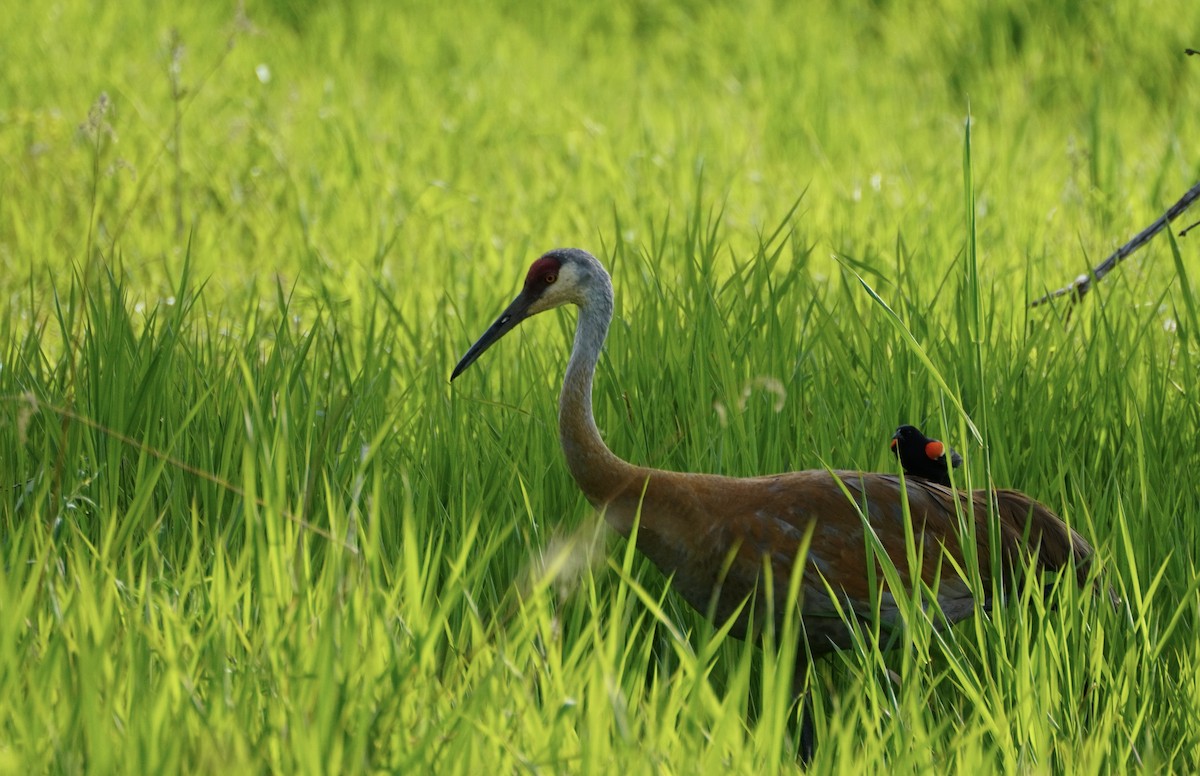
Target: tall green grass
{"points": [[248, 523]]}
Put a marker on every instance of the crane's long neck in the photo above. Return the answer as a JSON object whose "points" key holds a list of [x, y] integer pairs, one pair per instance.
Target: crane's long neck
{"points": [[600, 474]]}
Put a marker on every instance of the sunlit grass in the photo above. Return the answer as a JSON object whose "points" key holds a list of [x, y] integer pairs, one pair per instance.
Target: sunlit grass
{"points": [[249, 525]]}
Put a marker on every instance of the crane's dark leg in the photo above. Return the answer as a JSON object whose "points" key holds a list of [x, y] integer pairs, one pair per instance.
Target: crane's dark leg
{"points": [[806, 740]]}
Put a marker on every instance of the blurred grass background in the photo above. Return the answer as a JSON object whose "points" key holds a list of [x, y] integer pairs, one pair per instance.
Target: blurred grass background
{"points": [[327, 144]]}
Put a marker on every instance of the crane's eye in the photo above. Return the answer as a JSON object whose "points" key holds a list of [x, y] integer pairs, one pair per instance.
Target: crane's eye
{"points": [[551, 278]]}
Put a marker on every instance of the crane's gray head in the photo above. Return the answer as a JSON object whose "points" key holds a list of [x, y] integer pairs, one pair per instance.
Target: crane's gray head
{"points": [[562, 276]]}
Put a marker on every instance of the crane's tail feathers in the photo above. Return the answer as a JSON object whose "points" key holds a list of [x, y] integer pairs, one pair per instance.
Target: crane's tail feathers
{"points": [[1026, 523]]}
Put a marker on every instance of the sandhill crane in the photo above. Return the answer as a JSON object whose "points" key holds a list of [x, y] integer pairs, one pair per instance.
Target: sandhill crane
{"points": [[713, 535], [924, 457]]}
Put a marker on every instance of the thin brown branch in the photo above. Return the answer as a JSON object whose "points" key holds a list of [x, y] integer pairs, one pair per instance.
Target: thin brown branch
{"points": [[1082, 284], [68, 413]]}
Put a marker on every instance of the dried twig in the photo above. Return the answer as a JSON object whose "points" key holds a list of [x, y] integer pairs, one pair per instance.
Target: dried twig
{"points": [[1082, 284]]}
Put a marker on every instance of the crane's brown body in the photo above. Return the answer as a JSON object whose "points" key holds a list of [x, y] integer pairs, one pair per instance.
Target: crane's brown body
{"points": [[714, 536]]}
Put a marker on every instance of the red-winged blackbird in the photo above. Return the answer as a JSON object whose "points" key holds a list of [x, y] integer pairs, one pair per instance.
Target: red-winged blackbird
{"points": [[924, 457]]}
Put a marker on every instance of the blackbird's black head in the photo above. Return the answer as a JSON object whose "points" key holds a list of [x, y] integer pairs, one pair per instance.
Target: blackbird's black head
{"points": [[908, 435], [923, 457]]}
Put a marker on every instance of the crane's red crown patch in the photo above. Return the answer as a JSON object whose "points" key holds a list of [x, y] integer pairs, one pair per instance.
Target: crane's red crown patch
{"points": [[541, 270]]}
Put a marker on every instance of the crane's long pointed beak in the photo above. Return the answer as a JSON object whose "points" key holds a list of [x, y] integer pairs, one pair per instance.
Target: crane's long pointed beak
{"points": [[512, 315]]}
